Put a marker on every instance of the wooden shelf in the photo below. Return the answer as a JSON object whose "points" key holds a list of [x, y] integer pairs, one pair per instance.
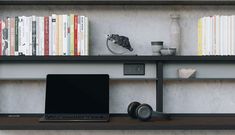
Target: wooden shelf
{"points": [[113, 59], [122, 122], [117, 2]]}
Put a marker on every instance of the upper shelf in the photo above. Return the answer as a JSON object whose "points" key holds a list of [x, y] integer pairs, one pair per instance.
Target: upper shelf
{"points": [[112, 59], [117, 2]]}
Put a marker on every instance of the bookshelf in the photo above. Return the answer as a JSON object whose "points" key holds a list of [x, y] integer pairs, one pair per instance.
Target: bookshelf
{"points": [[122, 122]]}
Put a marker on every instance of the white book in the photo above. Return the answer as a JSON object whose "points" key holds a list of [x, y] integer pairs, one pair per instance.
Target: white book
{"points": [[30, 35], [233, 35], [82, 35], [212, 35], [203, 35], [217, 35], [37, 36], [41, 40], [50, 36], [207, 36], [64, 31], [53, 32], [24, 35], [225, 35], [221, 35], [68, 34], [86, 36], [229, 36]]}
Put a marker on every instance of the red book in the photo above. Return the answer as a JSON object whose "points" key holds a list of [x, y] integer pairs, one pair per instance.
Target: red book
{"points": [[0, 37], [46, 35], [75, 35]]}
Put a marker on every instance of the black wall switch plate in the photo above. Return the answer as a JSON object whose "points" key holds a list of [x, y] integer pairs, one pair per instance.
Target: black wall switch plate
{"points": [[134, 69]]}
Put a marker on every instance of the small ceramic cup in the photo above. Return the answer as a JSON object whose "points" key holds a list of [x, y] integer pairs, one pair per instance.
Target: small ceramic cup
{"points": [[156, 47]]}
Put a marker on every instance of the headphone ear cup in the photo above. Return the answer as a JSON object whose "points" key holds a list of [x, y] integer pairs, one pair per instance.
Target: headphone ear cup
{"points": [[144, 112], [132, 109]]}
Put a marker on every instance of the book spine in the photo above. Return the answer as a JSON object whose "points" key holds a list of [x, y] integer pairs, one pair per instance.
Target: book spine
{"points": [[60, 35], [16, 35], [57, 35], [50, 36], [27, 35], [30, 47], [42, 35], [34, 49], [9, 35], [0, 37], [87, 36], [68, 36], [37, 36], [200, 37], [19, 35], [217, 35], [65, 35], [71, 34], [12, 33], [53, 31], [22, 36], [78, 36], [46, 35], [82, 36], [75, 35]]}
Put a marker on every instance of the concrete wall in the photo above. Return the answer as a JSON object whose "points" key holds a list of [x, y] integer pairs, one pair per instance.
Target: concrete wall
{"points": [[141, 24]]}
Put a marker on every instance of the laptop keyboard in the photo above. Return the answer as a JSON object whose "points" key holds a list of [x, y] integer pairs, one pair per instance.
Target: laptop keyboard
{"points": [[74, 117]]}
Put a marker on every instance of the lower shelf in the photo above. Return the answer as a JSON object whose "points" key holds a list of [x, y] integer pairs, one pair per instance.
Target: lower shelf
{"points": [[122, 122]]}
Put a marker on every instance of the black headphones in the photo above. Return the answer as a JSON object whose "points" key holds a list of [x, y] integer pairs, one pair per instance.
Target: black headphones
{"points": [[144, 112]]}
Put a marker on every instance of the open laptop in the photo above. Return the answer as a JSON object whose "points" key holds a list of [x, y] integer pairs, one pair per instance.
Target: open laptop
{"points": [[76, 97]]}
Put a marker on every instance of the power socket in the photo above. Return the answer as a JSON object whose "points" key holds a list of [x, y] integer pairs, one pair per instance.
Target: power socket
{"points": [[134, 69]]}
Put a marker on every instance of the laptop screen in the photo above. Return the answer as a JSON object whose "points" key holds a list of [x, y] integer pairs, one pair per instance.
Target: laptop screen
{"points": [[77, 94]]}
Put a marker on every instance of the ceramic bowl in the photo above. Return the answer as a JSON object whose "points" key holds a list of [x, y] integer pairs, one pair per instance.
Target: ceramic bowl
{"points": [[168, 51]]}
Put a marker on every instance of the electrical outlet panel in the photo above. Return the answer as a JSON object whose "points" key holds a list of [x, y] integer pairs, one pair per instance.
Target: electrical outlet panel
{"points": [[134, 69]]}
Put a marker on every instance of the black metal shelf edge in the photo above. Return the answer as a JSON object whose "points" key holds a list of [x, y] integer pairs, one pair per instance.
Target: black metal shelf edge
{"points": [[117, 2], [110, 58], [198, 79], [117, 122]]}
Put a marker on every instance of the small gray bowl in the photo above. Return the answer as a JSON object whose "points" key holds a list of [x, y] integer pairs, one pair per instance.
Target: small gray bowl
{"points": [[168, 51]]}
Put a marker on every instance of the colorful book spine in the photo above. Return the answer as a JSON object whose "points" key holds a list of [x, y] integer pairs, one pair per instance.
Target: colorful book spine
{"points": [[46, 35], [75, 35]]}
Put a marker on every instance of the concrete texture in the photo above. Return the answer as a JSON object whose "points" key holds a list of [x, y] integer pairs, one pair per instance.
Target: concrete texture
{"points": [[141, 24]]}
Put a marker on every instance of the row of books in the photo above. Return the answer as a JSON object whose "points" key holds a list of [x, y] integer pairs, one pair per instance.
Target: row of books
{"points": [[216, 35], [47, 35]]}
